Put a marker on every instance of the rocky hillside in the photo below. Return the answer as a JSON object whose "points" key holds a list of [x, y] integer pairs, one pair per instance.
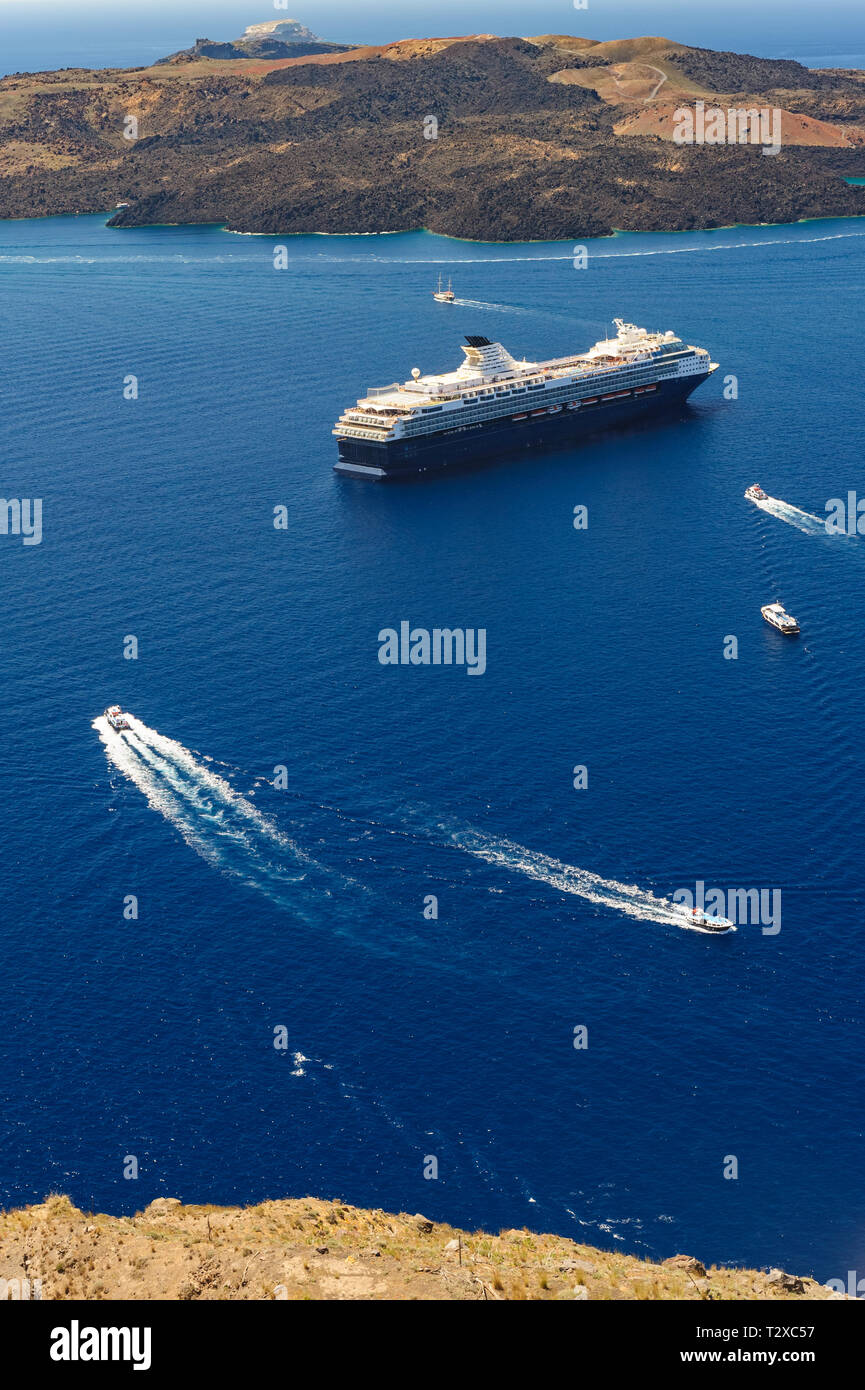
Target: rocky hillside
{"points": [[550, 137], [739, 72], [276, 38], [262, 47], [310, 1249]]}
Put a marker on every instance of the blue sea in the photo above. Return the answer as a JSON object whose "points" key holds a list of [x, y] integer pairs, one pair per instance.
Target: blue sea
{"points": [[281, 1018]]}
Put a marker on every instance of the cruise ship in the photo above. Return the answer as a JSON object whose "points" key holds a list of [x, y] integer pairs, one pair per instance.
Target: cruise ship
{"points": [[494, 404]]}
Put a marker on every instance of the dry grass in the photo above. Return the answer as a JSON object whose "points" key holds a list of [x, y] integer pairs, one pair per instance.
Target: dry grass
{"points": [[312, 1249]]}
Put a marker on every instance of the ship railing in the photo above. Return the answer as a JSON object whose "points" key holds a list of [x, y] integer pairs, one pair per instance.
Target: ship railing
{"points": [[379, 421], [360, 431]]}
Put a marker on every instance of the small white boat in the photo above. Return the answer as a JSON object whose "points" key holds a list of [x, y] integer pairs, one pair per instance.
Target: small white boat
{"points": [[755, 493], [776, 614], [696, 918], [117, 719], [444, 296]]}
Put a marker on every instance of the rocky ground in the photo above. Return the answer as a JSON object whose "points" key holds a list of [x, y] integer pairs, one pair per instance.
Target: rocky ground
{"points": [[552, 137], [312, 1249]]}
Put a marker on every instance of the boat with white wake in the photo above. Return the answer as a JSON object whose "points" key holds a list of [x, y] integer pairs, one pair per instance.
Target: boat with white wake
{"points": [[117, 719], [755, 493], [700, 920], [444, 296]]}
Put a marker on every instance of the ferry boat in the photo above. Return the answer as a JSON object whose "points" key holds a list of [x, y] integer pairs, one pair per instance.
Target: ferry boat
{"points": [[444, 296], [755, 493], [775, 614], [494, 404], [116, 718]]}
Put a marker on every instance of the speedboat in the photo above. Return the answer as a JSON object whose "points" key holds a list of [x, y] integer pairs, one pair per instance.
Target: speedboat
{"points": [[117, 719], [755, 493], [776, 614], [444, 296]]}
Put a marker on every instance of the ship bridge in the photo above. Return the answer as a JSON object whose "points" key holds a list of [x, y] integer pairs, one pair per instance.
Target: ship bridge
{"points": [[630, 340]]}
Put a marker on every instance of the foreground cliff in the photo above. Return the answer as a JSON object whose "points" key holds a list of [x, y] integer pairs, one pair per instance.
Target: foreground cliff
{"points": [[487, 138], [310, 1249]]}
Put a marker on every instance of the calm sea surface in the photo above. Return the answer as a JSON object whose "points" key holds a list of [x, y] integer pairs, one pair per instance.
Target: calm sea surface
{"points": [[302, 908]]}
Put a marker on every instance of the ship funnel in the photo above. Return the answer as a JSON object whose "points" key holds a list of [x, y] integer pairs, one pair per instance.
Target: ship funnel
{"points": [[486, 358]]}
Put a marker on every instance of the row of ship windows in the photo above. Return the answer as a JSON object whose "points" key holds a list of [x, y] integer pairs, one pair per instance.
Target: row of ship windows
{"points": [[600, 382], [557, 397], [465, 417], [615, 374], [486, 408]]}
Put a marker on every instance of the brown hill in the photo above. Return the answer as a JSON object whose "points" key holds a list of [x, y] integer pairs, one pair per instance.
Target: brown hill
{"points": [[740, 72], [567, 41], [530, 142], [634, 50], [659, 120], [311, 1249]]}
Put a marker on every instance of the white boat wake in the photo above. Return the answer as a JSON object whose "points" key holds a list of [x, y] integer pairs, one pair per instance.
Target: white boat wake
{"points": [[794, 516], [216, 821], [448, 259], [176, 259], [523, 311], [237, 839], [627, 898], [498, 308]]}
